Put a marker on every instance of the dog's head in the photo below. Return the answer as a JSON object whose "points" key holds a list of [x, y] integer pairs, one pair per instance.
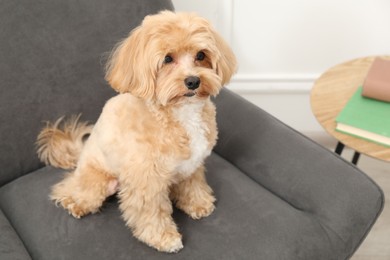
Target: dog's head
{"points": [[171, 58]]}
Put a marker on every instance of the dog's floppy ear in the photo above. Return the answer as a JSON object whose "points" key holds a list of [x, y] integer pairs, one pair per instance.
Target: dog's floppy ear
{"points": [[226, 63], [129, 68]]}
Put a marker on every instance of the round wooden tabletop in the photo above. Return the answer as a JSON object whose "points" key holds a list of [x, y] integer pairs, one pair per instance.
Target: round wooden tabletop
{"points": [[331, 92]]}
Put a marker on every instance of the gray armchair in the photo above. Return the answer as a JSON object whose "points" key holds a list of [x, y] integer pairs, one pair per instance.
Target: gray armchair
{"points": [[279, 195]]}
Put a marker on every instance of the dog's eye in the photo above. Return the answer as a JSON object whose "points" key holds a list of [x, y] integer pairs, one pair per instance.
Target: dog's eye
{"points": [[200, 56], [168, 59]]}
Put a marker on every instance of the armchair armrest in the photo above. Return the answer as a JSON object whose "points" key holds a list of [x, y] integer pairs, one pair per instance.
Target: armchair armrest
{"points": [[342, 199]]}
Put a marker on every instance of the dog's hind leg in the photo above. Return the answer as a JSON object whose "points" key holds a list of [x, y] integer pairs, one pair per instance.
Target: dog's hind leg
{"points": [[84, 190]]}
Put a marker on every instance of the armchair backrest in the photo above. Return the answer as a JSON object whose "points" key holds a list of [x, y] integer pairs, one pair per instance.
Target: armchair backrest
{"points": [[52, 58]]}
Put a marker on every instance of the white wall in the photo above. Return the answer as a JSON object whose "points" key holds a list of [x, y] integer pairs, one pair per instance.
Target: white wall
{"points": [[283, 46]]}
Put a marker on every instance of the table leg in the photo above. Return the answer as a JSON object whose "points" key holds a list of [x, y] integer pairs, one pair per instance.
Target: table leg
{"points": [[355, 158], [339, 149]]}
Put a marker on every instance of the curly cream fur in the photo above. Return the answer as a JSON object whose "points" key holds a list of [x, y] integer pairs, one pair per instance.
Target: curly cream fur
{"points": [[151, 140], [61, 143]]}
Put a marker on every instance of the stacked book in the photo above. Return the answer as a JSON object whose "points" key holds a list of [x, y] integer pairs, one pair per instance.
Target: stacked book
{"points": [[367, 114]]}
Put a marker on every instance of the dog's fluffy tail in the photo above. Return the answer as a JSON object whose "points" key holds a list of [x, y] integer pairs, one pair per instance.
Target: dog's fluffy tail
{"points": [[60, 144]]}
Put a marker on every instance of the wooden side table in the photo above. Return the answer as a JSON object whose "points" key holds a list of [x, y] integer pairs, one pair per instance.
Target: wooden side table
{"points": [[329, 95]]}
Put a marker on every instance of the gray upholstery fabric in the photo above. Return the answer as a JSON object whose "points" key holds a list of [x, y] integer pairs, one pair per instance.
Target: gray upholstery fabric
{"points": [[11, 247], [279, 195], [52, 55], [304, 175]]}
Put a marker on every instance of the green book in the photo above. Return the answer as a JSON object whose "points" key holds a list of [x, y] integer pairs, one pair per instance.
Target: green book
{"points": [[365, 118]]}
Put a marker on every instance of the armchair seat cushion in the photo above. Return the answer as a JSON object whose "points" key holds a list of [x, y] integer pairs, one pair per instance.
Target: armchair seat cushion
{"points": [[249, 222], [13, 247]]}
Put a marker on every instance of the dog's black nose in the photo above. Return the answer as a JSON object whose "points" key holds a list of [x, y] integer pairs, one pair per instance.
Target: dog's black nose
{"points": [[192, 82]]}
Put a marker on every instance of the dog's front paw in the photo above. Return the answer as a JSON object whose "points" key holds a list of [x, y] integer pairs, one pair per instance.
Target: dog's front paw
{"points": [[197, 211], [169, 241], [202, 211], [196, 205]]}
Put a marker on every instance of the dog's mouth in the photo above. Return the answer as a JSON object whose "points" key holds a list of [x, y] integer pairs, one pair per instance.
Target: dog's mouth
{"points": [[190, 93]]}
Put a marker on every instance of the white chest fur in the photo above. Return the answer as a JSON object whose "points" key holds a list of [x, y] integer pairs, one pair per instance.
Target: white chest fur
{"points": [[190, 117]]}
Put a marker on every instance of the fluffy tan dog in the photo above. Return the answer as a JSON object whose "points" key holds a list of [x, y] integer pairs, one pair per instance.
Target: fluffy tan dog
{"points": [[150, 141]]}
